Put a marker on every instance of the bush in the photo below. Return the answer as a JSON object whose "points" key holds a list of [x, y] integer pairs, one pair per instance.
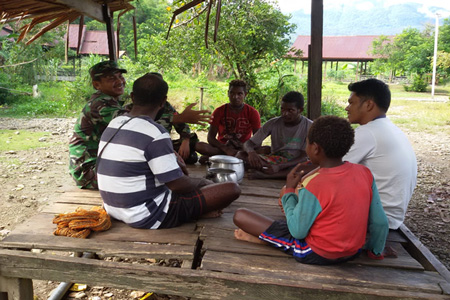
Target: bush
{"points": [[419, 84]]}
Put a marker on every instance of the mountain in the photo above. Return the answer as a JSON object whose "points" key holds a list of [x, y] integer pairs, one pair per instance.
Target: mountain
{"points": [[348, 20]]}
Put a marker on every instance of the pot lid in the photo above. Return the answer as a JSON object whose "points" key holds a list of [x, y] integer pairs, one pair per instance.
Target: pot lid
{"points": [[225, 159], [221, 171]]}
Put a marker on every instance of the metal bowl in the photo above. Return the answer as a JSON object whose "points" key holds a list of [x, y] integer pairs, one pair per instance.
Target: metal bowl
{"points": [[221, 175], [228, 162]]}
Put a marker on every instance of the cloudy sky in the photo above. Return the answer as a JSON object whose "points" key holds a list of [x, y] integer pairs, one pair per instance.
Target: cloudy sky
{"points": [[427, 6]]}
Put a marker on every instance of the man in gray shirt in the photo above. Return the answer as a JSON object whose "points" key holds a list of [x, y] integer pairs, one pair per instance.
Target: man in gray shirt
{"points": [[288, 141]]}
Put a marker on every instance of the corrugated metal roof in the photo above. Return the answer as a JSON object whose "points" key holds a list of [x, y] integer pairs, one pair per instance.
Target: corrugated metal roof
{"points": [[343, 48], [74, 29], [92, 41], [96, 42]]}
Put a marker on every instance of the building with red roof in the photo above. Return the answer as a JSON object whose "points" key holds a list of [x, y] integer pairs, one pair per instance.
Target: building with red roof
{"points": [[338, 48], [91, 42]]}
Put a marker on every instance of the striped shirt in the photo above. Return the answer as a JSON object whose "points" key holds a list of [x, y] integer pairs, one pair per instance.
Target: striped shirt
{"points": [[133, 169]]}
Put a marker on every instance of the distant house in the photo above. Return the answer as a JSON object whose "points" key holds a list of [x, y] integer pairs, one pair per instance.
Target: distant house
{"points": [[338, 48], [92, 41], [6, 30]]}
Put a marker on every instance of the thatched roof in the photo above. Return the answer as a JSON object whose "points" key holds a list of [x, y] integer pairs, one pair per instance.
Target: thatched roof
{"points": [[56, 12]]}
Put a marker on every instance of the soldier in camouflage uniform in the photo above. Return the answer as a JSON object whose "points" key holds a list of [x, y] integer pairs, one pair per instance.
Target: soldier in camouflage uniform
{"points": [[186, 144], [103, 106]]}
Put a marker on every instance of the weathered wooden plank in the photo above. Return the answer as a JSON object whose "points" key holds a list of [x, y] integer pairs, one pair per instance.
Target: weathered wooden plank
{"points": [[252, 199], [218, 239], [101, 248], [41, 224], [422, 254], [403, 261], [343, 274], [396, 236], [197, 284], [76, 192], [58, 207], [261, 191]]}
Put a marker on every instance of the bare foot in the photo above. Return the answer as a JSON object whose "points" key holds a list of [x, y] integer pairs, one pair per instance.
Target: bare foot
{"points": [[244, 236], [212, 214]]}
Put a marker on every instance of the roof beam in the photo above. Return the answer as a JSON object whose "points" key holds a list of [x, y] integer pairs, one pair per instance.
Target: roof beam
{"points": [[86, 7]]}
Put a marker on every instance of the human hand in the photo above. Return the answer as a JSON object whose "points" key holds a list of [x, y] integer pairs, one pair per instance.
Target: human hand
{"points": [[229, 151], [294, 176], [191, 116], [254, 160], [184, 150], [181, 164]]}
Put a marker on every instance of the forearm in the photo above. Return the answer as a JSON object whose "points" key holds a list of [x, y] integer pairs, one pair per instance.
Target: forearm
{"points": [[182, 185], [178, 118], [378, 224], [249, 146], [300, 215]]}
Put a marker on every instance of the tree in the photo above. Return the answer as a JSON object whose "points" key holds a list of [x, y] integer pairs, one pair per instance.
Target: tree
{"points": [[251, 35], [410, 52]]}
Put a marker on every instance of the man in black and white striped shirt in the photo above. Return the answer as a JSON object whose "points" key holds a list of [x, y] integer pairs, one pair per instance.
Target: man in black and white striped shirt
{"points": [[139, 177]]}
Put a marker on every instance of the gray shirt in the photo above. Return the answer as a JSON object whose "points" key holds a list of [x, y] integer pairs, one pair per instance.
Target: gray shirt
{"points": [[290, 139]]}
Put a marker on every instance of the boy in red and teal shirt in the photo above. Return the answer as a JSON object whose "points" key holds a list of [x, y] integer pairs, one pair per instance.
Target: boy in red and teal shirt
{"points": [[329, 214]]}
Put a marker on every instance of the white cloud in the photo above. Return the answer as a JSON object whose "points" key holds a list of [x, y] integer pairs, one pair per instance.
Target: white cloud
{"points": [[365, 6], [427, 6]]}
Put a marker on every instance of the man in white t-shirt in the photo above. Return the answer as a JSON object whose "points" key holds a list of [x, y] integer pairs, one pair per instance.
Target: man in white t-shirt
{"points": [[382, 147]]}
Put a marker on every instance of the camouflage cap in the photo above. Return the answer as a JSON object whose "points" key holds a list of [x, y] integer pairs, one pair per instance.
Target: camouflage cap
{"points": [[103, 68]]}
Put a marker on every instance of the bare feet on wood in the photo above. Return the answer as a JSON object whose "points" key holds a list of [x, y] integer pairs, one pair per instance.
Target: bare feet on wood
{"points": [[244, 236]]}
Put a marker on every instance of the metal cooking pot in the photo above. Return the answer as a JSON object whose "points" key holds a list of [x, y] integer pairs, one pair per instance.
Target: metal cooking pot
{"points": [[228, 162], [221, 175]]}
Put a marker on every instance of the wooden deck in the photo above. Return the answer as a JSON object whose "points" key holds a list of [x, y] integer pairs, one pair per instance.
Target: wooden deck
{"points": [[214, 264]]}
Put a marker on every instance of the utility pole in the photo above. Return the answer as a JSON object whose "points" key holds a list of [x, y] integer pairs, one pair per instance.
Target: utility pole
{"points": [[436, 32]]}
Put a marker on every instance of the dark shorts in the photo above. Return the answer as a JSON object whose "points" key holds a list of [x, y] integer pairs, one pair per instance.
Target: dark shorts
{"points": [[278, 235], [184, 208]]}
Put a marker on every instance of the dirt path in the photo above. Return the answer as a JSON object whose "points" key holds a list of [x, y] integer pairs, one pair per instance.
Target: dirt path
{"points": [[30, 178]]}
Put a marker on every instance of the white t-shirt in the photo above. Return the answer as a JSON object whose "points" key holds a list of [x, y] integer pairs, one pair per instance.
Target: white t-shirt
{"points": [[385, 150]]}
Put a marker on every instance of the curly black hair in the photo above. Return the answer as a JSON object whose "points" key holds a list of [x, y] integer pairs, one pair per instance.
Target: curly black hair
{"points": [[237, 83], [334, 134]]}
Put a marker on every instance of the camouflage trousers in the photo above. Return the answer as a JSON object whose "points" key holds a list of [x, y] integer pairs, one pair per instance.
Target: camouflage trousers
{"points": [[84, 173]]}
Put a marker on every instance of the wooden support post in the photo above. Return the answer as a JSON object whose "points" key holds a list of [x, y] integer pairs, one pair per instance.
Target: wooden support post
{"points": [[356, 71], [201, 97], [325, 73], [110, 32], [315, 60], [16, 288]]}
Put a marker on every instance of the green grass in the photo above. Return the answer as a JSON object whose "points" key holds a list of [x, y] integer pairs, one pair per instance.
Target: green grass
{"points": [[417, 115], [24, 140], [421, 116], [51, 102]]}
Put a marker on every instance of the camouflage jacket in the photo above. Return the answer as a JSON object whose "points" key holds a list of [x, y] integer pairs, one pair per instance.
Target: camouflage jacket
{"points": [[165, 117], [94, 118]]}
